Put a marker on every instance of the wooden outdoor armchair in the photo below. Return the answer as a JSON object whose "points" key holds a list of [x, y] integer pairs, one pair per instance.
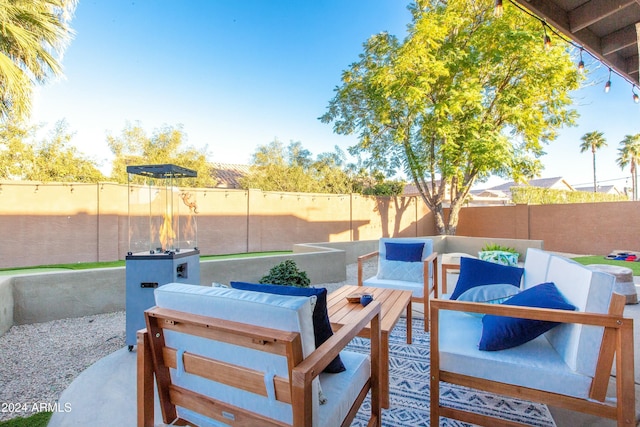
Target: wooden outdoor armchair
{"points": [[568, 366], [295, 394], [421, 281]]}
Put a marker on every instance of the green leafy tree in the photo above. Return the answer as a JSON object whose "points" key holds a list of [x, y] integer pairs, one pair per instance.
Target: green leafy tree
{"points": [[464, 96], [16, 155], [629, 155], [22, 157], [275, 167], [33, 36], [593, 141], [166, 145]]}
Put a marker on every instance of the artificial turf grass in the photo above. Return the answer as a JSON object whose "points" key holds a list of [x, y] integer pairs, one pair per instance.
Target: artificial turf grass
{"points": [[599, 259], [121, 263], [39, 419]]}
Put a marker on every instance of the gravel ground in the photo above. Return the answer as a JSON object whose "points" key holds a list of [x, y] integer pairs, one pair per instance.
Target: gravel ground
{"points": [[39, 361]]}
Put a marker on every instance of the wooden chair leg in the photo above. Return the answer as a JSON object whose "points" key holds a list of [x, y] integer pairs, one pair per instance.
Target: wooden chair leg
{"points": [[145, 396], [625, 387]]}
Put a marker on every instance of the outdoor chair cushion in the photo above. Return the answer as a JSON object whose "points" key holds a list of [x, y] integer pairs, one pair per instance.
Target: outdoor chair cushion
{"points": [[502, 332], [488, 294], [534, 364], [536, 266], [476, 272], [407, 252], [321, 324], [396, 269]]}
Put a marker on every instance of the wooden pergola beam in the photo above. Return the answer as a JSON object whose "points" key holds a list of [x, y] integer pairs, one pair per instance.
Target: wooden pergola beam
{"points": [[575, 26], [593, 11], [619, 40]]}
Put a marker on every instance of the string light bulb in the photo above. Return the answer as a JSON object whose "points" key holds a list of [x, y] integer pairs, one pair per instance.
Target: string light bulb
{"points": [[498, 10], [581, 63], [547, 39], [636, 98], [547, 43], [607, 86]]}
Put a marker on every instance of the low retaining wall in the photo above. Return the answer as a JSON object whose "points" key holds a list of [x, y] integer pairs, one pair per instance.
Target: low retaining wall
{"points": [[42, 297], [6, 304]]}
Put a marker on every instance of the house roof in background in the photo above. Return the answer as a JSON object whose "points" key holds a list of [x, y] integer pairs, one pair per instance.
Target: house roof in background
{"points": [[605, 189], [608, 29], [229, 175], [556, 183]]}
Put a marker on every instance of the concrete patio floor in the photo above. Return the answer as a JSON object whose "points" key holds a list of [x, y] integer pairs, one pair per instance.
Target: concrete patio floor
{"points": [[104, 395]]}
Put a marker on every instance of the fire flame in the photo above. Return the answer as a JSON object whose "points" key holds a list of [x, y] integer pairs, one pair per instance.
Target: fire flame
{"points": [[166, 232]]}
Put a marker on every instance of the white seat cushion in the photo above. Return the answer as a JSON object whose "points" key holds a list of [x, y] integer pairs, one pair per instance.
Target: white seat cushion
{"points": [[416, 287], [343, 388], [535, 364]]}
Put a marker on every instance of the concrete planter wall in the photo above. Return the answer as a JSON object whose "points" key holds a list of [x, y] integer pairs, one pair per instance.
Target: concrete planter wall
{"points": [[35, 298]]}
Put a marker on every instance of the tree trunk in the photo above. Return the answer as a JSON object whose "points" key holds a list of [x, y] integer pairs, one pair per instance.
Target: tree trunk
{"points": [[438, 212], [595, 185], [454, 216]]}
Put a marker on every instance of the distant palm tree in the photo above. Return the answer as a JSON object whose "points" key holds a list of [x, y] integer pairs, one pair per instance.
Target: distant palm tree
{"points": [[593, 141], [629, 154], [33, 35]]}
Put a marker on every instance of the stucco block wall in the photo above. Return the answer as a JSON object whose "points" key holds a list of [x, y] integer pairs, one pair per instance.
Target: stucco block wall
{"points": [[324, 265], [60, 295], [6, 304], [35, 298]]}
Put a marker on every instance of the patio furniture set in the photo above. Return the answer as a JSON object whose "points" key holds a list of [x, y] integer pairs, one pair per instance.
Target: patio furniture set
{"points": [[276, 357]]}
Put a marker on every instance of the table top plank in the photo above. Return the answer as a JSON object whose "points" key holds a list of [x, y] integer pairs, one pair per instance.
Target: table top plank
{"points": [[393, 305]]}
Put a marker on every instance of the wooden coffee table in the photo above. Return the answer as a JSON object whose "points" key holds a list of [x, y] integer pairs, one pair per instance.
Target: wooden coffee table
{"points": [[392, 304]]}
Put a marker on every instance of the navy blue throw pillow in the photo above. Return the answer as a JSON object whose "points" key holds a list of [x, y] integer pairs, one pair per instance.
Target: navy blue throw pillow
{"points": [[502, 332], [321, 326], [476, 272], [408, 252]]}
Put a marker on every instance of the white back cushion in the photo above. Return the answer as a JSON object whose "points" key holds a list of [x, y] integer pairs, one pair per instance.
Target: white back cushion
{"points": [[589, 291], [261, 309], [536, 265]]}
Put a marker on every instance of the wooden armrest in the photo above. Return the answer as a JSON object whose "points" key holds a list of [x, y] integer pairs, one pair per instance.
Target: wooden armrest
{"points": [[431, 259], [303, 374], [315, 363], [445, 269], [534, 313], [361, 259]]}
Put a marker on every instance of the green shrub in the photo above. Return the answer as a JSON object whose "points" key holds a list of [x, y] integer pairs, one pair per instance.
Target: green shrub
{"points": [[287, 273], [526, 195]]}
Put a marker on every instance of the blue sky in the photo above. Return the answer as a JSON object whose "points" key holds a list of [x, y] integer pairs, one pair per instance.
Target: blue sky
{"points": [[238, 74]]}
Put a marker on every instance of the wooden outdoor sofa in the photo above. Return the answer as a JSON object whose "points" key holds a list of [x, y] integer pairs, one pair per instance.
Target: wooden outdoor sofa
{"points": [[569, 366], [225, 356]]}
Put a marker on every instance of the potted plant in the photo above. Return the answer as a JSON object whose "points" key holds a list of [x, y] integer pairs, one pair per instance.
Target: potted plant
{"points": [[499, 254], [287, 273]]}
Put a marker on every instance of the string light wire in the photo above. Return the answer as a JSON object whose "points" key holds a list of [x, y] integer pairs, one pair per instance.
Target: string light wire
{"points": [[547, 42]]}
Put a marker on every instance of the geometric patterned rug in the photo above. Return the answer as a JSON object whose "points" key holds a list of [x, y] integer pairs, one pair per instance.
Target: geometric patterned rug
{"points": [[409, 388]]}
